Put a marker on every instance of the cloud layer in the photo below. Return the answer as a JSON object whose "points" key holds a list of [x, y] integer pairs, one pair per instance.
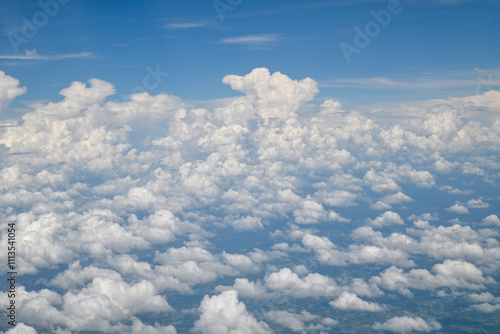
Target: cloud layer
{"points": [[234, 218]]}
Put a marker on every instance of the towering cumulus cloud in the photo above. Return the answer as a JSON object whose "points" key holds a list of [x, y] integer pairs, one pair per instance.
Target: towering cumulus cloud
{"points": [[271, 211]]}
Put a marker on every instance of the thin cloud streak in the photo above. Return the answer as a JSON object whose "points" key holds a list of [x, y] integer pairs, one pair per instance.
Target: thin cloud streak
{"points": [[250, 39], [33, 55], [185, 25], [491, 80]]}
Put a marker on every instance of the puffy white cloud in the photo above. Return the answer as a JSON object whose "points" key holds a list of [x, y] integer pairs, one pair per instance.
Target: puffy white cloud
{"points": [[328, 253], [150, 215], [21, 328], [386, 201], [450, 273], [9, 89], [381, 182], [310, 212], [297, 322], [482, 297], [100, 306], [225, 314], [247, 223], [273, 95], [141, 108], [407, 324], [339, 198], [331, 107], [313, 285], [388, 218], [458, 208], [487, 307], [138, 327], [241, 262], [246, 288], [492, 220], [159, 227], [287, 320], [361, 288], [350, 301], [477, 204]]}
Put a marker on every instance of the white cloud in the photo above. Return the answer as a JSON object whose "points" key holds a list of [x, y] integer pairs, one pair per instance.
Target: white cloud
{"points": [[313, 285], [310, 212], [246, 289], [297, 322], [458, 208], [9, 89], [483, 297], [21, 328], [450, 273], [487, 307], [224, 314], [288, 320], [328, 253], [477, 204], [100, 306], [407, 324], [138, 327], [147, 216], [142, 108], [247, 223], [492, 220], [388, 218], [331, 107], [349, 301], [273, 95], [241, 262]]}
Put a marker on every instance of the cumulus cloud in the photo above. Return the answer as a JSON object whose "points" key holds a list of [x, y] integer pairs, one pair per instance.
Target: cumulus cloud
{"points": [[388, 218], [492, 220], [477, 204], [224, 313], [21, 329], [458, 208], [407, 324], [276, 95], [298, 322], [239, 190], [328, 253], [331, 107], [313, 285], [349, 301], [9, 89], [450, 273]]}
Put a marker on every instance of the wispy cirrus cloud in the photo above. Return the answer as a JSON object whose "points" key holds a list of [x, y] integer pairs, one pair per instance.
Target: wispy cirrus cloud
{"points": [[185, 25], [489, 78], [251, 40], [33, 55]]}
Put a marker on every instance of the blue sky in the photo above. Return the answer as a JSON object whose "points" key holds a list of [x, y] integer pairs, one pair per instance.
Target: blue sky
{"points": [[435, 43], [295, 166]]}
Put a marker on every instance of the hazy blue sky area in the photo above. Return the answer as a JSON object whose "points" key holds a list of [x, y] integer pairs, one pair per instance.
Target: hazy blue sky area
{"points": [[237, 166]]}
